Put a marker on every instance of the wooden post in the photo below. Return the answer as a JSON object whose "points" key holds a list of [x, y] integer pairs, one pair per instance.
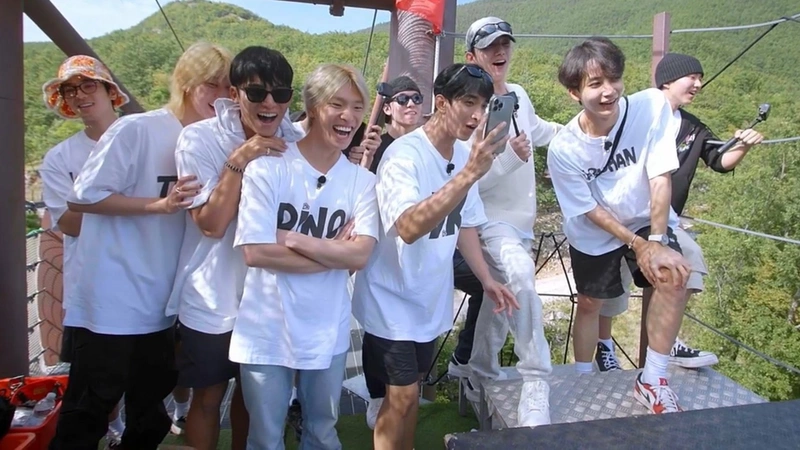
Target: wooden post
{"points": [[661, 31], [14, 307]]}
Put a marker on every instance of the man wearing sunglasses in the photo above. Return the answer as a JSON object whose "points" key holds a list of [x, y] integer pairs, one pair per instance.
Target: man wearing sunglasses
{"points": [[403, 112], [428, 204], [508, 192], [210, 278]]}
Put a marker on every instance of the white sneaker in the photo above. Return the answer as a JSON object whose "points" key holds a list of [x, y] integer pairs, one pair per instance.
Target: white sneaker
{"points": [[458, 369], [534, 404], [372, 411]]}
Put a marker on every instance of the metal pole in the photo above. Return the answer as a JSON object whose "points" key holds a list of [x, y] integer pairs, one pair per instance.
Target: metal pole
{"points": [[48, 18], [661, 29], [436, 49], [14, 330]]}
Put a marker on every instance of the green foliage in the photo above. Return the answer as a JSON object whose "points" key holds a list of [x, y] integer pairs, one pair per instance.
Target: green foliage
{"points": [[751, 280]]}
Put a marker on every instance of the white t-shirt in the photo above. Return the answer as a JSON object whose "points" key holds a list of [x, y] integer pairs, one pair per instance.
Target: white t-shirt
{"points": [[210, 277], [60, 167], [405, 293], [508, 190], [128, 262], [298, 320], [645, 151]]}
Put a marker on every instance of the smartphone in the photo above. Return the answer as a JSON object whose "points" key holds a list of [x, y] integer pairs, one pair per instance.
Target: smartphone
{"points": [[500, 109]]}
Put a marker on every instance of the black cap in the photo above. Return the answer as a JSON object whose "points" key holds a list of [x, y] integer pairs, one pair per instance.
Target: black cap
{"points": [[404, 83], [674, 66]]}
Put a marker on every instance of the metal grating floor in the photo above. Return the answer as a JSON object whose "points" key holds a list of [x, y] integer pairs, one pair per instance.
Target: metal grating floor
{"points": [[580, 397]]}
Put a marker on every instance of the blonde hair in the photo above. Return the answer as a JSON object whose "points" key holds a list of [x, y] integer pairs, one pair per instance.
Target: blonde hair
{"points": [[326, 80], [201, 63]]}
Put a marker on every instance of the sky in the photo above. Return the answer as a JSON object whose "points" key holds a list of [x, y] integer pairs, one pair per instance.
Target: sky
{"points": [[93, 18]]}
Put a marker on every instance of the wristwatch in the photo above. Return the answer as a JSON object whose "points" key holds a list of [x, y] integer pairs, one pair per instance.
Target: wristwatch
{"points": [[662, 239]]}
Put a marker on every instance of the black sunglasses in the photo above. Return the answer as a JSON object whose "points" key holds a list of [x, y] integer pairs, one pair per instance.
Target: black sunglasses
{"points": [[402, 99], [488, 29], [86, 86], [473, 71], [258, 94]]}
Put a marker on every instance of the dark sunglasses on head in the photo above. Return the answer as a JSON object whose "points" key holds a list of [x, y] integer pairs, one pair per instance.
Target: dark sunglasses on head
{"points": [[402, 99], [488, 29], [258, 94], [473, 71], [86, 86]]}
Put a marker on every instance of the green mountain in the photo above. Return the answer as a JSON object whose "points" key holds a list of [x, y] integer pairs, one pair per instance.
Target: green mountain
{"points": [[751, 280]]}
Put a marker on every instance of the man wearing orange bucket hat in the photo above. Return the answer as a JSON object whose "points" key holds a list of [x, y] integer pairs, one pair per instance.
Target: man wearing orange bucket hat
{"points": [[82, 90], [132, 200]]}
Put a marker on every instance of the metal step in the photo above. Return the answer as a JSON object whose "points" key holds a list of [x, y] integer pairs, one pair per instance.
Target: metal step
{"points": [[578, 397]]}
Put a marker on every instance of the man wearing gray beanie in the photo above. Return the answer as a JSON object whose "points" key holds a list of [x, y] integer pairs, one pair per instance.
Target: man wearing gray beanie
{"points": [[680, 78]]}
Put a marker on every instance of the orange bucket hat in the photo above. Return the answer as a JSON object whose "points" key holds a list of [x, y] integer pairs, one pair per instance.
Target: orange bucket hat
{"points": [[87, 67]]}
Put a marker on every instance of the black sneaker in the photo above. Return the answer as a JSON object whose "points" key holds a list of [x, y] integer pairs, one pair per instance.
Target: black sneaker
{"points": [[689, 358], [178, 425], [295, 419], [606, 359]]}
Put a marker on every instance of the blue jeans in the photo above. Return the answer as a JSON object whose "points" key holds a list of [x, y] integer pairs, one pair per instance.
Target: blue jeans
{"points": [[267, 390]]}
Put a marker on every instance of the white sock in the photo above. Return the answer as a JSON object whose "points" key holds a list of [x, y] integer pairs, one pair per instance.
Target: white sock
{"points": [[181, 410], [655, 367], [294, 395], [584, 367], [607, 342], [117, 425]]}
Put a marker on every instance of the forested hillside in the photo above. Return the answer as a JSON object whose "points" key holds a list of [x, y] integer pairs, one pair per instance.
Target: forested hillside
{"points": [[751, 281]]}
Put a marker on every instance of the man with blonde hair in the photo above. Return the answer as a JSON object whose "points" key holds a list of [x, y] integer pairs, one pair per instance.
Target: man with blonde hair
{"points": [[85, 90], [124, 344], [305, 220]]}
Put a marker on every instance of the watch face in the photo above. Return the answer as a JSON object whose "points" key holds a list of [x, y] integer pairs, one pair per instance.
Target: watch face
{"points": [[664, 240]]}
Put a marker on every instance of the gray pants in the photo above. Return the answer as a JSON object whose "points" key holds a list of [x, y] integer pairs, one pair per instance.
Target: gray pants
{"points": [[510, 263], [267, 390]]}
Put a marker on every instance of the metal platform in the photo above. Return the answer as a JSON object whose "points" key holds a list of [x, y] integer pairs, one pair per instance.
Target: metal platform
{"points": [[767, 425], [581, 397]]}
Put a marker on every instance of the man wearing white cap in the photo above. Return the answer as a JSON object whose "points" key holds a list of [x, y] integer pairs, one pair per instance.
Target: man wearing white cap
{"points": [[508, 192], [82, 90]]}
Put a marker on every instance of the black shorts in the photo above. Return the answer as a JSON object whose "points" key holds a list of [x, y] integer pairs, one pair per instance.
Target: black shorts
{"points": [[202, 359], [599, 277], [396, 363], [67, 345]]}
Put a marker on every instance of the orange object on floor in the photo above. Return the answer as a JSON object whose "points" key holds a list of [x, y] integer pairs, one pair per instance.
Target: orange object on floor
{"points": [[18, 441], [23, 389]]}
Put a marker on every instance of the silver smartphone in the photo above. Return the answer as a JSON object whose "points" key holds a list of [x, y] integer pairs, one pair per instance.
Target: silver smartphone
{"points": [[500, 109]]}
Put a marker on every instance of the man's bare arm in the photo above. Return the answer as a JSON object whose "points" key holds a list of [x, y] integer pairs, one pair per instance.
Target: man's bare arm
{"points": [[214, 216], [660, 197], [70, 223], [279, 258], [420, 219], [333, 254], [603, 219], [120, 205]]}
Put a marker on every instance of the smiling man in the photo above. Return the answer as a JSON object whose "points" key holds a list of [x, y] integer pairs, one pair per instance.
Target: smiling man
{"points": [[508, 192], [83, 90], [403, 114], [305, 220], [210, 278], [680, 78], [611, 168], [428, 203]]}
